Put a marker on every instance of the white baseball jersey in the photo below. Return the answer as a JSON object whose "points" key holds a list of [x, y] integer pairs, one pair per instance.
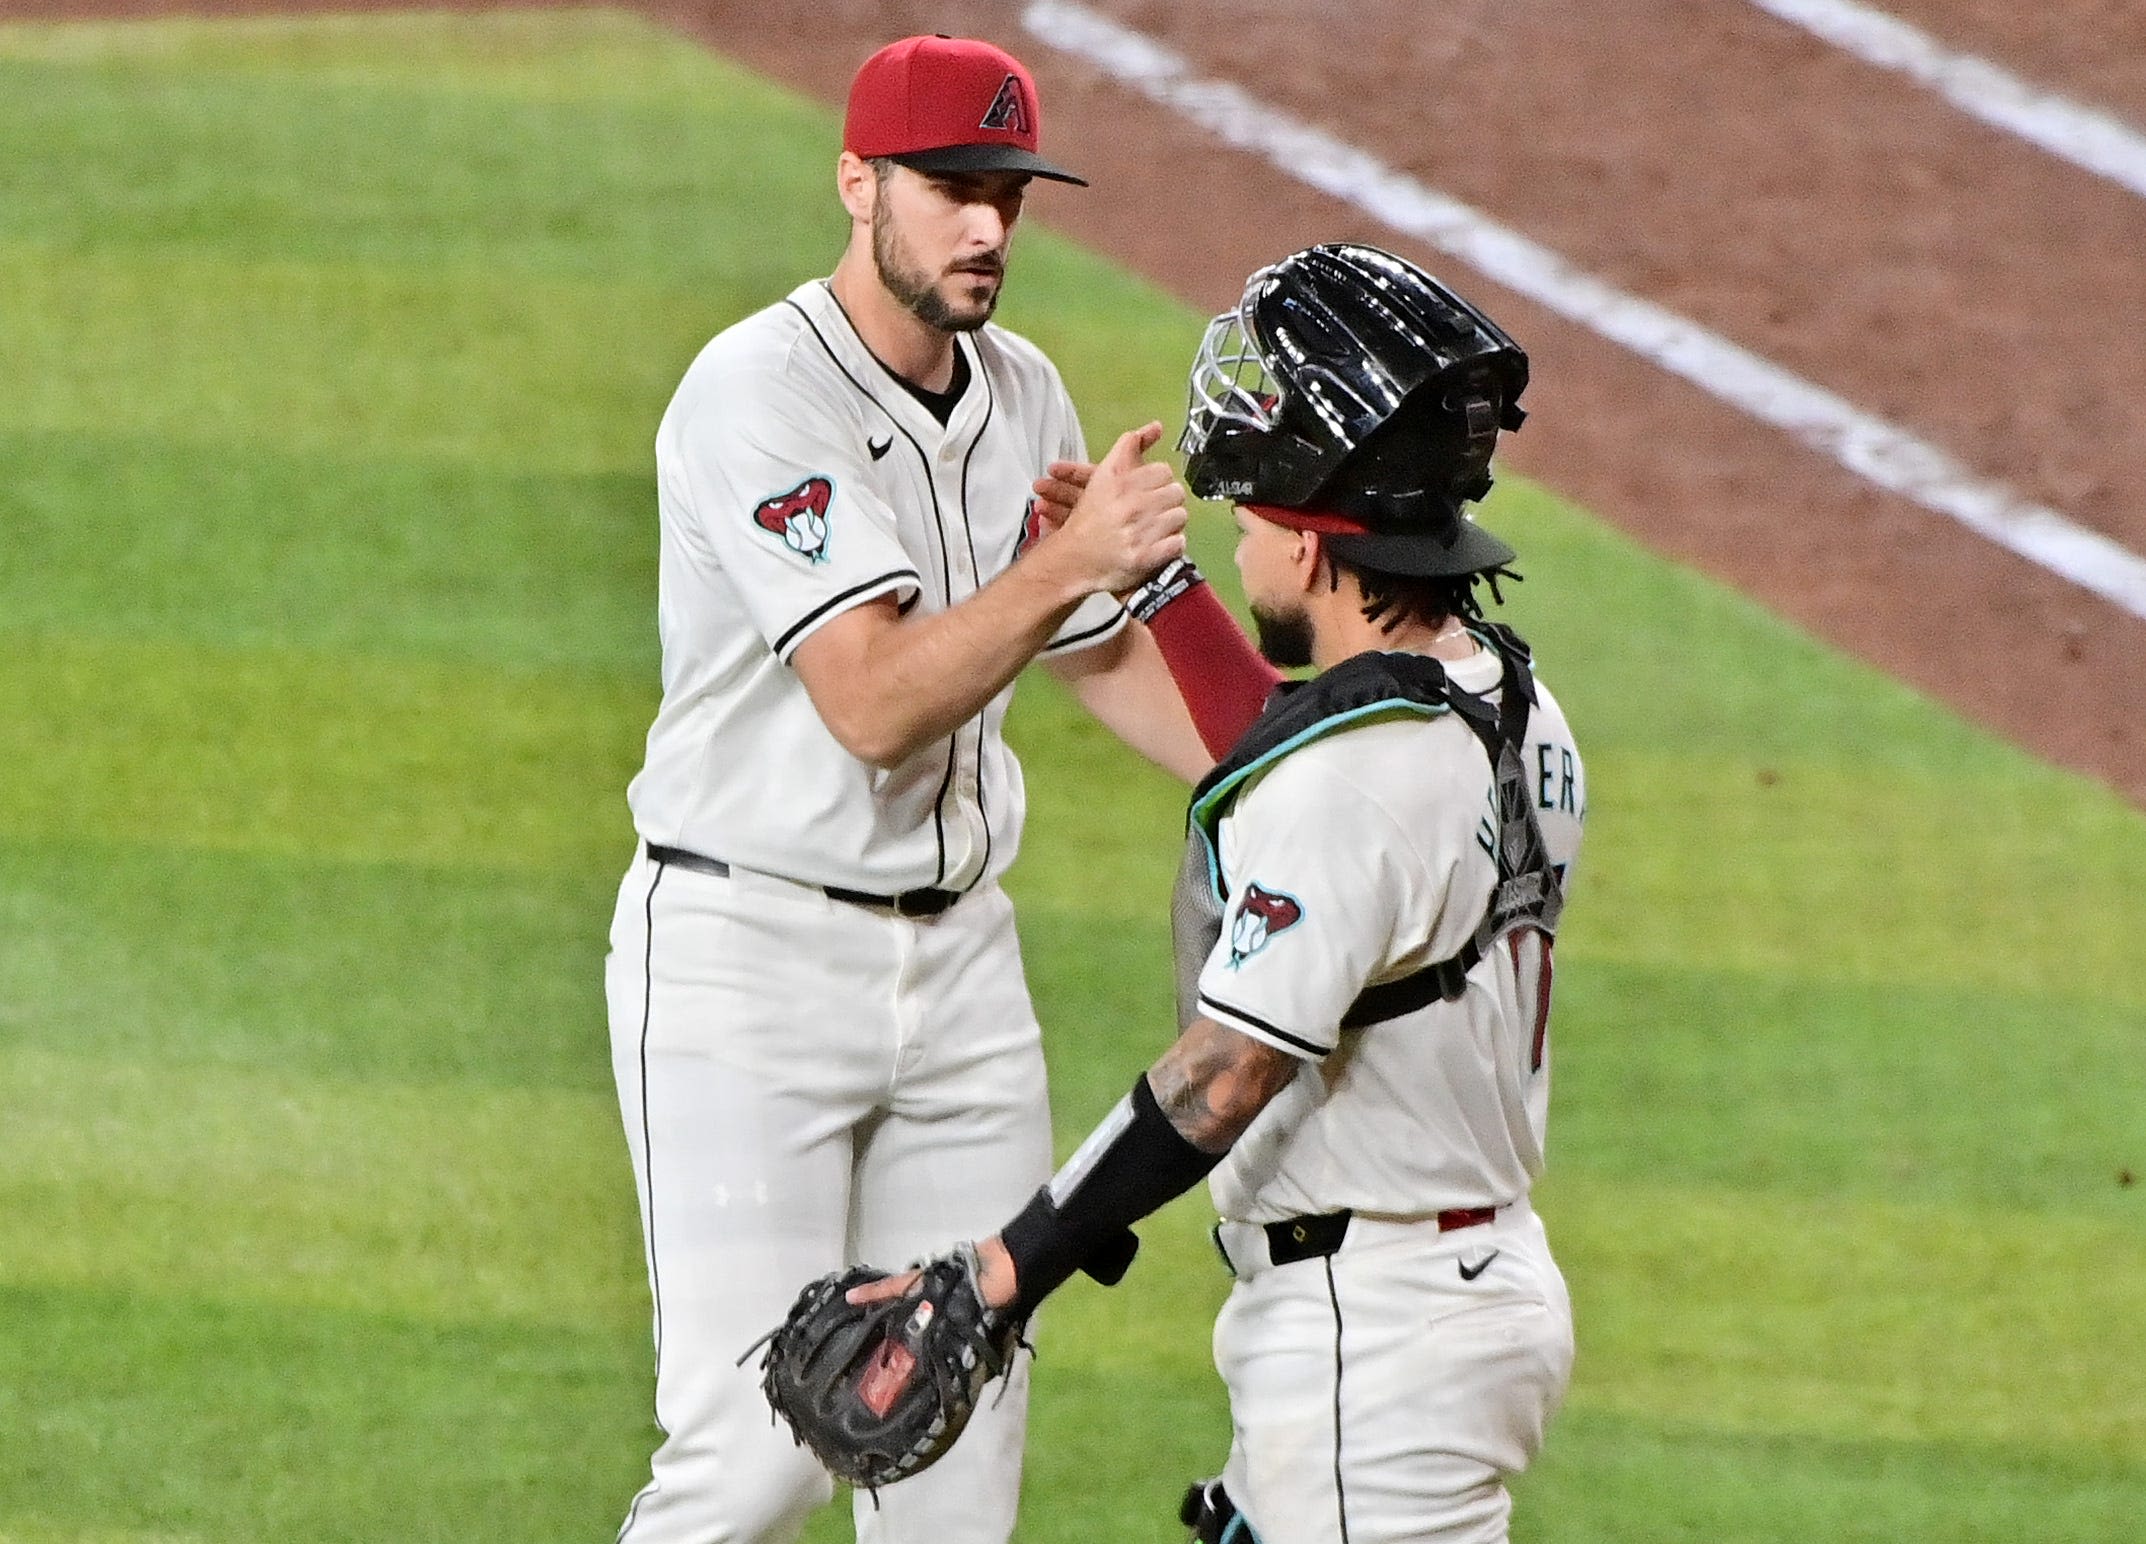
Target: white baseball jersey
{"points": [[1355, 860], [796, 479]]}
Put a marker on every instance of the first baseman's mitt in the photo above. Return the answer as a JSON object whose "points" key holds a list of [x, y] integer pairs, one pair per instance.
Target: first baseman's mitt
{"points": [[880, 1390]]}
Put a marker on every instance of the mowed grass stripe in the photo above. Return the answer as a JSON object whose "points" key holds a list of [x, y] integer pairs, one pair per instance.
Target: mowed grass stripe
{"points": [[257, 1423], [30, 1530], [158, 150], [316, 756], [350, 972], [1890, 1091], [1847, 1317], [551, 376], [461, 1205], [1815, 872], [589, 57], [1611, 1479], [244, 546], [375, 971], [446, 1202], [334, 756]]}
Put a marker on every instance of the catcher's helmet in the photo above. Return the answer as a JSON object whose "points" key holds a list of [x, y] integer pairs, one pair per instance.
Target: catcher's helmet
{"points": [[1349, 382]]}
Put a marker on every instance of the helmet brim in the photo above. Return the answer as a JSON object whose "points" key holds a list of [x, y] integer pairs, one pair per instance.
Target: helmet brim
{"points": [[1421, 555]]}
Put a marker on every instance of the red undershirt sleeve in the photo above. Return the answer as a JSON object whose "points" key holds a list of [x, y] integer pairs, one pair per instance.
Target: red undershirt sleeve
{"points": [[1221, 676]]}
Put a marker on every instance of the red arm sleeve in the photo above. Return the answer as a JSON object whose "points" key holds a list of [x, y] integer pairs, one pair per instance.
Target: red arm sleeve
{"points": [[1222, 678]]}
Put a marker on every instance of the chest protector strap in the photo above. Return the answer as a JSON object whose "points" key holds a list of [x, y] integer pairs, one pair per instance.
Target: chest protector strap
{"points": [[1374, 687]]}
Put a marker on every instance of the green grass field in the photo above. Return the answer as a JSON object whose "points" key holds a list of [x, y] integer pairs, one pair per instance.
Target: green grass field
{"points": [[331, 355]]}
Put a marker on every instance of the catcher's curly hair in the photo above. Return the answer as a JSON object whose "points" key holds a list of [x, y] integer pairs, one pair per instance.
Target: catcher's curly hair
{"points": [[1393, 600]]}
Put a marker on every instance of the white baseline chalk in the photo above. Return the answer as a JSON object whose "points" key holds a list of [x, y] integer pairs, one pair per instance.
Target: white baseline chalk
{"points": [[1876, 451], [2093, 140]]}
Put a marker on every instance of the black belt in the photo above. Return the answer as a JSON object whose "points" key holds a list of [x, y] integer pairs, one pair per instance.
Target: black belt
{"points": [[1315, 1237], [909, 903]]}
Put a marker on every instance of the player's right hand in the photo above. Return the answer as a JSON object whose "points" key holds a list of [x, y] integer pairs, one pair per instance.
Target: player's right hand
{"points": [[1128, 521]]}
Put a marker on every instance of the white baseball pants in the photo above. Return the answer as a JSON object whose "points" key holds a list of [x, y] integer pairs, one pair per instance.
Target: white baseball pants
{"points": [[806, 1084], [1377, 1396]]}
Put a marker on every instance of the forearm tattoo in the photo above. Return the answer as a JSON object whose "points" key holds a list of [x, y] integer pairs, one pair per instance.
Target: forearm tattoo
{"points": [[1213, 1081]]}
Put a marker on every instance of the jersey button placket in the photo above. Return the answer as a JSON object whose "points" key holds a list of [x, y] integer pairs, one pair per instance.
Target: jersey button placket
{"points": [[960, 566]]}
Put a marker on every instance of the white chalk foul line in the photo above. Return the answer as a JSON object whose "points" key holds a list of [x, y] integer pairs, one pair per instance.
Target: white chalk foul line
{"points": [[1874, 450], [2106, 146]]}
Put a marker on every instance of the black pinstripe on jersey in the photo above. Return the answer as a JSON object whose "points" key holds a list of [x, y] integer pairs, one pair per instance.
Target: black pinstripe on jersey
{"points": [[946, 580], [968, 535], [832, 602]]}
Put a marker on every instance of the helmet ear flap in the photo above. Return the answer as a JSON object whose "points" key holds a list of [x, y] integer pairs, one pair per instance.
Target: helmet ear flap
{"points": [[1263, 466]]}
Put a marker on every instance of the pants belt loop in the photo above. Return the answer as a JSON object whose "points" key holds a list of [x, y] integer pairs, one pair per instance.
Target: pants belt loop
{"points": [[1306, 1238]]}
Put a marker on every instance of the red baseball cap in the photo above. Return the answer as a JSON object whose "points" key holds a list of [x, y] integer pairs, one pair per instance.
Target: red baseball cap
{"points": [[941, 104]]}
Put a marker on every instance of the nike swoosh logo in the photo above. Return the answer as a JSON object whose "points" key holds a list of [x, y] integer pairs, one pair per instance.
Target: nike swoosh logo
{"points": [[879, 448], [1468, 1273]]}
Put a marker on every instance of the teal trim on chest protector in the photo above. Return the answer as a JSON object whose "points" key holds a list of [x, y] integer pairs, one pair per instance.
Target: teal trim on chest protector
{"points": [[1205, 816]]}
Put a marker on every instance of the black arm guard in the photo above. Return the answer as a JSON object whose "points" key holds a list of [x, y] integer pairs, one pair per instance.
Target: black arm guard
{"points": [[1133, 1163]]}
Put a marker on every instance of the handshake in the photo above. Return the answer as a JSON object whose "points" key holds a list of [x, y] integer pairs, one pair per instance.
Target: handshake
{"points": [[1114, 525]]}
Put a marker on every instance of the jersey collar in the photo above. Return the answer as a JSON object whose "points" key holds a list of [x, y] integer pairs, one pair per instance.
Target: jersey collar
{"points": [[817, 299]]}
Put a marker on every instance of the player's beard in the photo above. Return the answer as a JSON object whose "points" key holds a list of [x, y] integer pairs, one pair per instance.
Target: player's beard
{"points": [[908, 282], [1284, 636]]}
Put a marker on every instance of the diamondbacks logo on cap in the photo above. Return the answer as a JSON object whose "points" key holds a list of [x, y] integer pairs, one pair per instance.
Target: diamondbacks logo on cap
{"points": [[799, 517], [1008, 112], [1261, 915]]}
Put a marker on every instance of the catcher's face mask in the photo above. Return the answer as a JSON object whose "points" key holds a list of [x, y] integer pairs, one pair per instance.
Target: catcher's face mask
{"points": [[1230, 383]]}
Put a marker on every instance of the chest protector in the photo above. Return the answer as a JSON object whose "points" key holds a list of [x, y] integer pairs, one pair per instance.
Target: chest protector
{"points": [[1370, 688]]}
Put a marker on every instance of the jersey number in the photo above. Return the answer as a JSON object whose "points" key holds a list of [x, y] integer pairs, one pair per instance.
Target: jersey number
{"points": [[1517, 940]]}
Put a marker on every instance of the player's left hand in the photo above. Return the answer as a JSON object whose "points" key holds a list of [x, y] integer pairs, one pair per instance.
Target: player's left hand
{"points": [[879, 1388], [1059, 489]]}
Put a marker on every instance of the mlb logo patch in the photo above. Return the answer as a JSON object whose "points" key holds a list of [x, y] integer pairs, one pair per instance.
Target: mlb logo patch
{"points": [[799, 517]]}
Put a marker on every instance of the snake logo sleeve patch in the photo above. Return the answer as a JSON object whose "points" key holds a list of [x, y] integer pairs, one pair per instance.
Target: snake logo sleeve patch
{"points": [[799, 517], [1262, 914]]}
